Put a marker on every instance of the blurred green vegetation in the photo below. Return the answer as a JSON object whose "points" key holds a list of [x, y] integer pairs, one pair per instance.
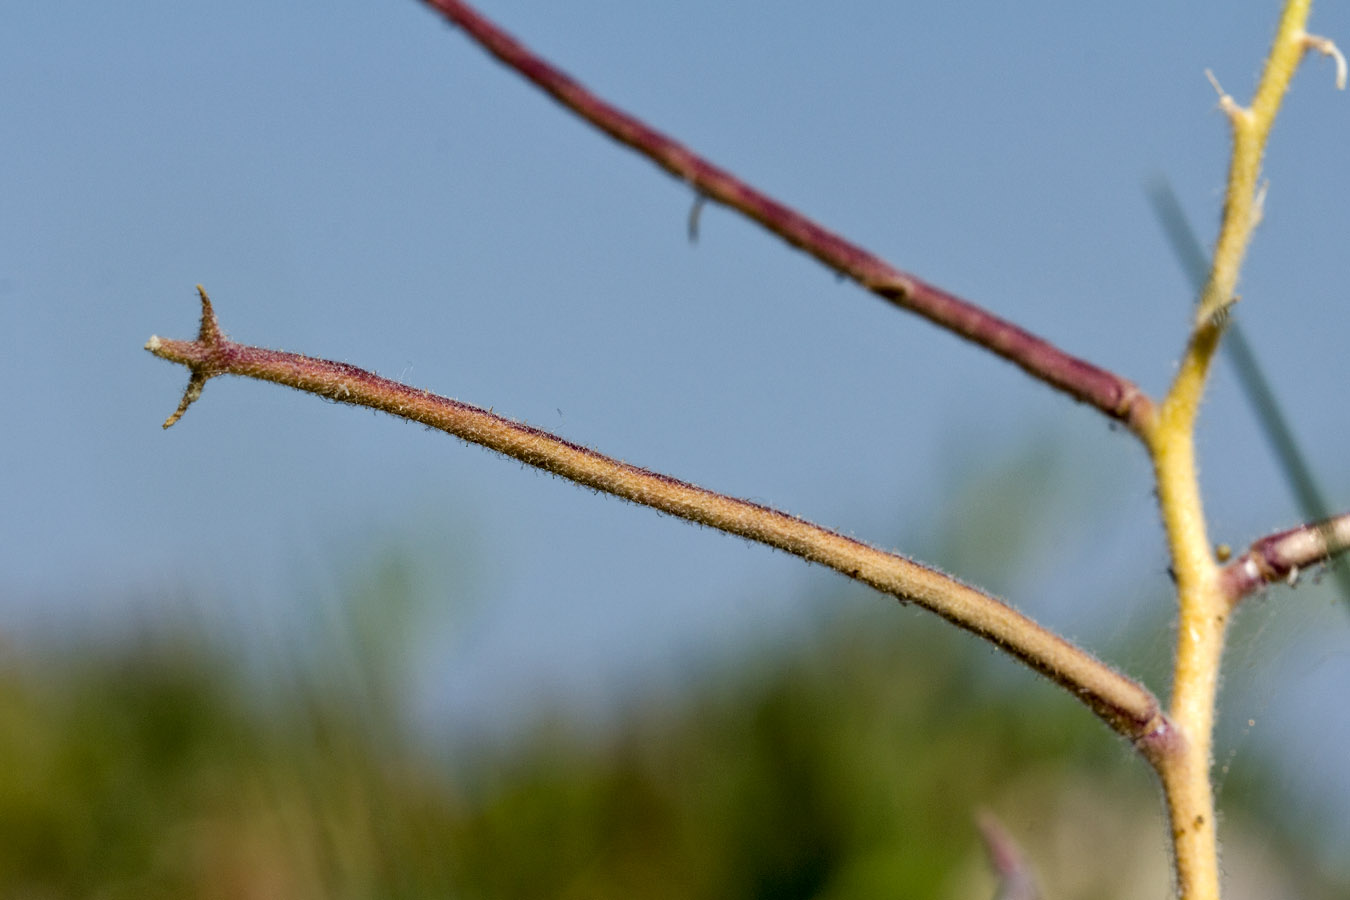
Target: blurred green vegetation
{"points": [[847, 764], [850, 765]]}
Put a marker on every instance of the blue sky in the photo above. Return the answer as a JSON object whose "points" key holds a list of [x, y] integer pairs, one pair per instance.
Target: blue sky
{"points": [[357, 181]]}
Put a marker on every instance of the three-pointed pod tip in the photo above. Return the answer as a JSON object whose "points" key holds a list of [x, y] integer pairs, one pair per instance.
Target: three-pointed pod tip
{"points": [[208, 335]]}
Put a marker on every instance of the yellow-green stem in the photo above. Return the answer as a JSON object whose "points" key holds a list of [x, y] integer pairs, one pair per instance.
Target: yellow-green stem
{"points": [[1251, 127], [1203, 602], [1203, 613]]}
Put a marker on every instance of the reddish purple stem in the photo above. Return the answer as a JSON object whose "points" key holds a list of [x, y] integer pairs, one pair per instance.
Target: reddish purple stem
{"points": [[1115, 396], [1280, 557]]}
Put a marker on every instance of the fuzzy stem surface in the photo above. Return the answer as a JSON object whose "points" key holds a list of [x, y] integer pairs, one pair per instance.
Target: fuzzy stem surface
{"points": [[1125, 705], [1203, 595], [1282, 556], [1251, 127]]}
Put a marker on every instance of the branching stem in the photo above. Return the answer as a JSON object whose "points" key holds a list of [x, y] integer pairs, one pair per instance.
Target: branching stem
{"points": [[1177, 744], [1251, 127], [1204, 595]]}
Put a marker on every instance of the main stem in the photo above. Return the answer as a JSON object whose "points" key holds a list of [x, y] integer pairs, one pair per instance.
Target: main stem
{"points": [[1204, 599], [1203, 616]]}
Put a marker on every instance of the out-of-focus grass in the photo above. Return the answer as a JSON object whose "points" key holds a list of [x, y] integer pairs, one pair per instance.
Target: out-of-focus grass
{"points": [[850, 766], [850, 769], [143, 772]]}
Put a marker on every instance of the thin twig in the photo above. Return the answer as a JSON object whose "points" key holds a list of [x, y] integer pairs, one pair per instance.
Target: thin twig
{"points": [[1282, 556], [1125, 705], [1113, 395]]}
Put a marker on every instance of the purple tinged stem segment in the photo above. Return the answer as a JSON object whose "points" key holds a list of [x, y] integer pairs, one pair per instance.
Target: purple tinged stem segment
{"points": [[1113, 395], [1128, 707], [1280, 557], [1016, 881]]}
